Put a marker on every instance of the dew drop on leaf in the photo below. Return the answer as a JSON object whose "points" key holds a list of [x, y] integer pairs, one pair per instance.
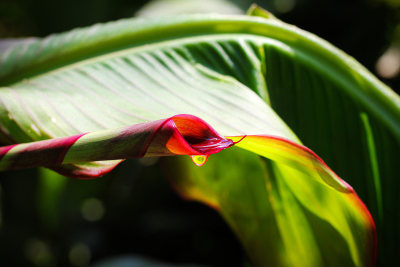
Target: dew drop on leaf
{"points": [[199, 160]]}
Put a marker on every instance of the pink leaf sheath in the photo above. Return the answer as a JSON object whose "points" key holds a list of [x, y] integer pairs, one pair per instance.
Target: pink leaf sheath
{"points": [[177, 135]]}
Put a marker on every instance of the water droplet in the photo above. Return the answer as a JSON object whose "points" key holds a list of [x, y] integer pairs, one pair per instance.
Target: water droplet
{"points": [[199, 160]]}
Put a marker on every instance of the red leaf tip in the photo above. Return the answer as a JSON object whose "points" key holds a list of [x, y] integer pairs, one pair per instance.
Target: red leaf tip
{"points": [[196, 137]]}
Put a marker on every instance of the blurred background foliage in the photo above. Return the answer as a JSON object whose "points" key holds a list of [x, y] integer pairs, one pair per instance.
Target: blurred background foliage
{"points": [[131, 217]]}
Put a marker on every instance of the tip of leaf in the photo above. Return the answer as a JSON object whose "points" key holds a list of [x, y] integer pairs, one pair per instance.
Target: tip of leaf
{"points": [[198, 135], [257, 11]]}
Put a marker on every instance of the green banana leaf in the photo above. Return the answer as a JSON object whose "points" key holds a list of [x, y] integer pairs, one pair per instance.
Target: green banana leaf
{"points": [[225, 69]]}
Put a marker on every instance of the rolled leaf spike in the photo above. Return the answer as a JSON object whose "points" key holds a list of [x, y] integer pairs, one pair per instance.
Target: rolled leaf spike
{"points": [[177, 135]]}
